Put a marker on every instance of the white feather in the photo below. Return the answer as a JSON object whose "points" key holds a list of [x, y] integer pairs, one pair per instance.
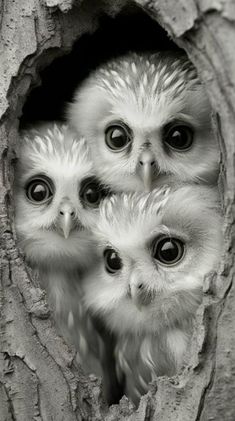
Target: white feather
{"points": [[149, 94], [56, 152], [150, 306]]}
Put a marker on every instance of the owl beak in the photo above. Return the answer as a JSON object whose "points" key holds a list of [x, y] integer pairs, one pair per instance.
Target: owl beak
{"points": [[66, 224], [140, 296], [137, 302], [65, 219], [146, 168]]}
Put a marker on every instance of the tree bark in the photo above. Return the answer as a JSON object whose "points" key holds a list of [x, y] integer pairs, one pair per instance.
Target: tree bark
{"points": [[39, 379]]}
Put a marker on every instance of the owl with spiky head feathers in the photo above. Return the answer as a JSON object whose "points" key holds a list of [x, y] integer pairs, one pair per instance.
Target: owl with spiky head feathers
{"points": [[154, 252], [147, 119], [57, 196]]}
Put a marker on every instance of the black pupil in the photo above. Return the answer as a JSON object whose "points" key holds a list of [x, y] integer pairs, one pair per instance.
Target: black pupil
{"points": [[39, 192], [180, 138], [113, 261], [118, 138], [92, 194], [169, 251]]}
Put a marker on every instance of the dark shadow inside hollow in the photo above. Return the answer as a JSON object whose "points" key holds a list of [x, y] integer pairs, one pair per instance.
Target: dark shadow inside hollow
{"points": [[131, 30]]}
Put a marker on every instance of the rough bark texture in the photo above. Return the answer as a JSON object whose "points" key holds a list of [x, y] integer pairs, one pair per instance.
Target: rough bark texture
{"points": [[38, 377]]}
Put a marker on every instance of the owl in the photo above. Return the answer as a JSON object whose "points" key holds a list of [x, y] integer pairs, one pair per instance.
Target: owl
{"points": [[147, 119], [57, 196], [155, 249]]}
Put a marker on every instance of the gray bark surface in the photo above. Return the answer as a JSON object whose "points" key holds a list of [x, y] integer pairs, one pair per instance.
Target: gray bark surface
{"points": [[39, 379]]}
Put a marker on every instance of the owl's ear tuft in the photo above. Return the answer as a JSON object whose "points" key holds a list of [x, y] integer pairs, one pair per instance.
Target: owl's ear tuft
{"points": [[114, 207], [153, 201], [108, 205], [158, 198]]}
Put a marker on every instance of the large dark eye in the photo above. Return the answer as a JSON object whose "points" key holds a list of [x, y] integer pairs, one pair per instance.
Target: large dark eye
{"points": [[39, 190], [112, 261], [179, 137], [92, 192], [117, 137], [168, 250]]}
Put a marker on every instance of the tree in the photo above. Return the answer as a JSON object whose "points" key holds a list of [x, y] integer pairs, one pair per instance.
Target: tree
{"points": [[38, 377]]}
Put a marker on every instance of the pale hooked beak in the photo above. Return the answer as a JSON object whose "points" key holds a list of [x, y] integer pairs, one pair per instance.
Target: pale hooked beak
{"points": [[139, 294], [65, 218], [136, 300], [146, 168]]}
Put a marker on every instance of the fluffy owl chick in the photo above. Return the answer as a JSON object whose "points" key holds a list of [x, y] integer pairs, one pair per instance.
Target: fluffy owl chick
{"points": [[155, 249], [56, 198], [147, 119]]}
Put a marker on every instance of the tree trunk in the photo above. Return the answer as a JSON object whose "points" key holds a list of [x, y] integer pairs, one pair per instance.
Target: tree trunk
{"points": [[38, 377]]}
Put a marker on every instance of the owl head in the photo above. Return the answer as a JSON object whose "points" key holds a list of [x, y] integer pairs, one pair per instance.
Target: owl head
{"points": [[147, 119], [154, 251], [56, 197]]}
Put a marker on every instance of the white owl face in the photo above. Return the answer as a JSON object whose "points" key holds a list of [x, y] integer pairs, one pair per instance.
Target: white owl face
{"points": [[148, 122], [154, 249], [56, 197]]}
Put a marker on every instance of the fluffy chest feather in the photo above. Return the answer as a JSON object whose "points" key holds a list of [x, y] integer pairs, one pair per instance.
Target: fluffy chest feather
{"points": [[141, 359]]}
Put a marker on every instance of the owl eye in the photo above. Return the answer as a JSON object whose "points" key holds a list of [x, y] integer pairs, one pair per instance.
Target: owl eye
{"points": [[179, 137], [117, 137], [168, 251], [91, 192], [39, 190], [112, 261]]}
